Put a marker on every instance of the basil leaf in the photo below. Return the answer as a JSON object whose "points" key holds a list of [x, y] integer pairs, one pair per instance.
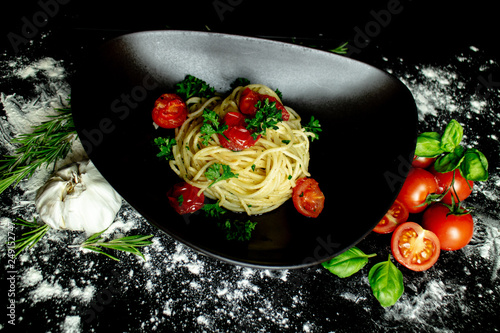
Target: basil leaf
{"points": [[386, 281], [450, 161], [474, 166], [428, 145], [347, 263], [452, 136]]}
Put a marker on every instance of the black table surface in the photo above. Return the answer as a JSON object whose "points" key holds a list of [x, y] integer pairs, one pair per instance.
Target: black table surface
{"points": [[446, 55]]}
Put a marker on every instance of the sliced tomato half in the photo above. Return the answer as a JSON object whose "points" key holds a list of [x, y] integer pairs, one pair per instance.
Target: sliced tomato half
{"points": [[414, 247], [397, 214], [308, 198]]}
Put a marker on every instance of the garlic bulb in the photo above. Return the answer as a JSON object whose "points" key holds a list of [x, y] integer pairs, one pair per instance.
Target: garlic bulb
{"points": [[77, 197]]}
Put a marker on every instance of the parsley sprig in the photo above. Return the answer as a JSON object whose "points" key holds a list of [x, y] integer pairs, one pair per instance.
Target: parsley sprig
{"points": [[165, 145], [267, 116], [314, 127], [218, 172], [193, 86], [237, 230], [211, 125]]}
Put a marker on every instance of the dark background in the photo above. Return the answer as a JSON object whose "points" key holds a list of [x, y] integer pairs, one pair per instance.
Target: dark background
{"points": [[423, 30], [429, 32]]}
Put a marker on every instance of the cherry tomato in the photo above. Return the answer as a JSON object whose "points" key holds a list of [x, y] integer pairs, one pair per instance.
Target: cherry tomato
{"points": [[414, 247], [250, 98], [169, 111], [462, 189], [422, 162], [239, 137], [453, 231], [397, 214], [418, 185], [308, 198], [183, 197]]}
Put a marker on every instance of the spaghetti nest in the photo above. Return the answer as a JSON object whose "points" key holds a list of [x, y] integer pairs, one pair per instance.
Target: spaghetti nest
{"points": [[264, 174]]}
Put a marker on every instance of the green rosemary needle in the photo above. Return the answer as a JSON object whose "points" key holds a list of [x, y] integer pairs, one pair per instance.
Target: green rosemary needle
{"points": [[127, 244], [31, 237], [45, 145]]}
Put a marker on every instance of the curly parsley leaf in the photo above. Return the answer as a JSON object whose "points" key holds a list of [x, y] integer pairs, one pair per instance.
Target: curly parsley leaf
{"points": [[239, 82], [213, 210], [193, 86], [237, 230], [267, 116], [215, 174], [313, 127], [211, 125], [165, 145]]}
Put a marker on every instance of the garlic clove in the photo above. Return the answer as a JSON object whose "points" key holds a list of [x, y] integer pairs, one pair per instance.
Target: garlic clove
{"points": [[77, 197]]}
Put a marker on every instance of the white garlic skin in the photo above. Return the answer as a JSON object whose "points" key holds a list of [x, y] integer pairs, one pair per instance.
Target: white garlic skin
{"points": [[77, 197]]}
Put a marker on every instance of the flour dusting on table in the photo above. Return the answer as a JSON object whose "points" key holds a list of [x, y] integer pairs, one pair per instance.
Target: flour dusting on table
{"points": [[185, 291]]}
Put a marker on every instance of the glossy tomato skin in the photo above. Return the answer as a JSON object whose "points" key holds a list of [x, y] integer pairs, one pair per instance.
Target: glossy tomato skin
{"points": [[398, 213], [250, 98], [239, 137], [453, 231], [169, 111], [422, 162], [189, 202], [414, 247], [462, 189], [418, 185], [247, 102], [308, 198]]}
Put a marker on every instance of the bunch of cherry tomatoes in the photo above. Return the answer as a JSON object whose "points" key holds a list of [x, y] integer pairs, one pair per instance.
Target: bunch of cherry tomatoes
{"points": [[444, 225]]}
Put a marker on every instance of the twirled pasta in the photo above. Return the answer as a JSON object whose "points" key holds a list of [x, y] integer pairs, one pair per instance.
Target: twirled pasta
{"points": [[267, 171]]}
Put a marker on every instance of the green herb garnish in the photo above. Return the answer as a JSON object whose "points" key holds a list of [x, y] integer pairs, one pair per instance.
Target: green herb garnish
{"points": [[165, 145], [237, 230], [126, 244], [313, 127], [211, 125], [267, 116], [239, 82], [31, 237], [213, 210], [44, 146], [341, 49], [193, 86], [215, 174]]}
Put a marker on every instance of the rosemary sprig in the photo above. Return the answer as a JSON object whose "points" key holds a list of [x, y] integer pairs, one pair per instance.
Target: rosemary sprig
{"points": [[45, 145], [31, 237], [341, 49], [127, 244]]}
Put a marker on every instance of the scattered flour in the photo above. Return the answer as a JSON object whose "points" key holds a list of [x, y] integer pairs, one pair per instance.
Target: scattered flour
{"points": [[186, 291]]}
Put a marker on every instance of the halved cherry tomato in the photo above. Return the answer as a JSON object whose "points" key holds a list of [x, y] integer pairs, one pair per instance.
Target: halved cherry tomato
{"points": [[414, 247], [308, 198], [453, 231], [250, 98], [418, 185], [236, 137], [460, 186], [183, 197], [397, 214], [169, 111], [422, 162]]}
